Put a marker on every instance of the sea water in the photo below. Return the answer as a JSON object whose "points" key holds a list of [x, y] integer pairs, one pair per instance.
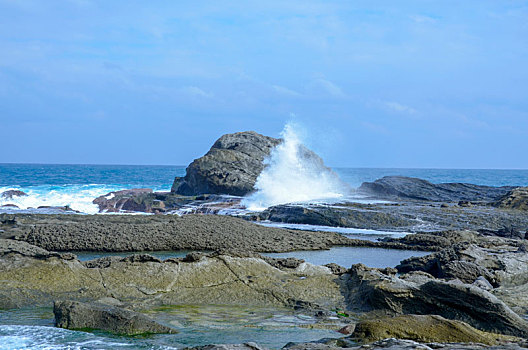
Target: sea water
{"points": [[78, 185]]}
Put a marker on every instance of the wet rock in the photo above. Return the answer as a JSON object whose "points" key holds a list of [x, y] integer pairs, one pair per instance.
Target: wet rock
{"points": [[231, 166], [421, 328], [283, 263], [370, 290], [506, 232], [223, 279], [9, 206], [336, 269], [400, 187], [245, 346], [10, 194], [328, 216], [348, 329], [77, 315], [517, 198], [132, 200]]}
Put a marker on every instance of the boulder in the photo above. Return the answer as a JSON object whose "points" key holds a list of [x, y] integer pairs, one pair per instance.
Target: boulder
{"points": [[517, 198], [77, 315], [10, 194], [421, 328], [419, 293], [125, 200], [401, 187], [231, 166]]}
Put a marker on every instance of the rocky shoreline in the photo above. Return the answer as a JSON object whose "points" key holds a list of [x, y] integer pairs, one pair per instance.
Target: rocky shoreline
{"points": [[470, 292]]}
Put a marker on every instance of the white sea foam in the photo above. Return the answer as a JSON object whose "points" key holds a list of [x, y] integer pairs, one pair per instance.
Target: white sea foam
{"points": [[294, 174], [77, 197]]}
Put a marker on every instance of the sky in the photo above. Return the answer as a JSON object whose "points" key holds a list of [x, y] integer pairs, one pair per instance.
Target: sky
{"points": [[427, 84]]}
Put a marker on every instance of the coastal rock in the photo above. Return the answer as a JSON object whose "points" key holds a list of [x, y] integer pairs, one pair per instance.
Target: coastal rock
{"points": [[421, 328], [401, 187], [517, 198], [10, 194], [418, 293], [77, 315], [245, 346], [125, 200], [144, 282], [357, 216], [231, 166], [119, 233]]}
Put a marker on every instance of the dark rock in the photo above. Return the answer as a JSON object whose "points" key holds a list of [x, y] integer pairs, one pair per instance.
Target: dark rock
{"points": [[465, 204], [448, 264], [9, 206], [400, 187], [141, 258], [371, 290], [77, 315], [102, 263], [12, 193], [63, 208], [245, 346], [283, 263], [348, 329], [328, 216], [231, 166], [131, 200], [336, 269], [517, 198], [506, 232]]}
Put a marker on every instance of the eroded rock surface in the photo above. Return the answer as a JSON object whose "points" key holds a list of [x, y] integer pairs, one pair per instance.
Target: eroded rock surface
{"points": [[517, 198], [231, 166], [401, 187], [77, 315]]}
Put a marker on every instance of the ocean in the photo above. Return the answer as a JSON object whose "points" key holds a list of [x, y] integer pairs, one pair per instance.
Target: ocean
{"points": [[78, 185]]}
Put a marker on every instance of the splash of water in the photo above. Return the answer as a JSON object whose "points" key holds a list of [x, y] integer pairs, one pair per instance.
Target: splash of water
{"points": [[293, 173]]}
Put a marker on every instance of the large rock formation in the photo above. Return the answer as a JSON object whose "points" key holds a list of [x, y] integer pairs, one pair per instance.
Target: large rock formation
{"points": [[76, 315], [418, 293], [401, 187], [515, 199], [231, 166]]}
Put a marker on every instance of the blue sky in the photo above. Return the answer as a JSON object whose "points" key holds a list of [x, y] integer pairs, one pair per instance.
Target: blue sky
{"points": [[375, 83]]}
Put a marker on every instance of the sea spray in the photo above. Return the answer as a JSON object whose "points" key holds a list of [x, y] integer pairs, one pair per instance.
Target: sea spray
{"points": [[293, 173]]}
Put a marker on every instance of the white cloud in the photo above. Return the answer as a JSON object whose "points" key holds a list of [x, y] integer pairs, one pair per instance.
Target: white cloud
{"points": [[400, 108], [423, 19], [196, 91], [285, 91], [326, 86]]}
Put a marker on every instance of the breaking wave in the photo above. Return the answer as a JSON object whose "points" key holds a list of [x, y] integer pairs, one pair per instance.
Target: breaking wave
{"points": [[293, 173]]}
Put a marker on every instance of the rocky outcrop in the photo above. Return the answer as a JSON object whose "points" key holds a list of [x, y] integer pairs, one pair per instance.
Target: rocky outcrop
{"points": [[245, 346], [421, 328], [418, 293], [499, 264], [358, 216], [398, 344], [161, 232], [144, 281], [10, 194], [401, 187], [231, 166], [515, 199], [125, 200], [78, 315]]}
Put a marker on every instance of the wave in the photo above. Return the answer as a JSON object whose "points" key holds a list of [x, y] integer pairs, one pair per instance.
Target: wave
{"points": [[77, 197], [293, 173]]}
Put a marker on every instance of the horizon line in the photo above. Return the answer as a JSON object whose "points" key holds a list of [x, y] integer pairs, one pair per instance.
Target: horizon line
{"points": [[333, 167]]}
